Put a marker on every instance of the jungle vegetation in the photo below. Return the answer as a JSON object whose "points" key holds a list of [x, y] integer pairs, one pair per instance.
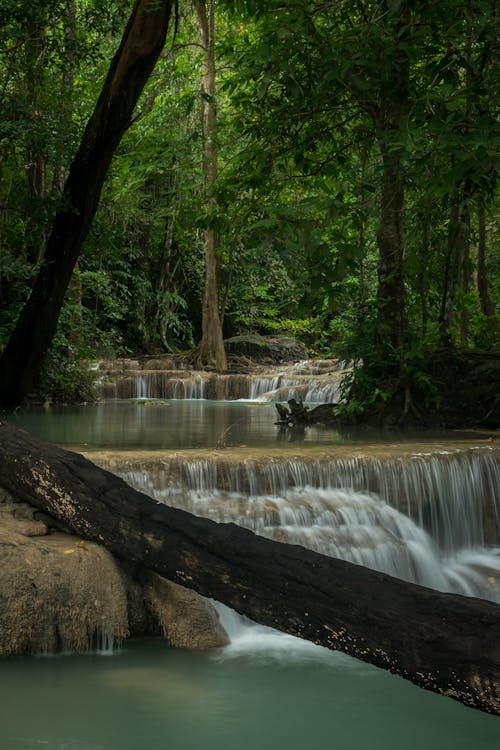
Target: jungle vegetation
{"points": [[327, 170]]}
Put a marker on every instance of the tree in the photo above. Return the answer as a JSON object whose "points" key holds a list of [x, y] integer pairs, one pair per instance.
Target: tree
{"points": [[211, 347], [141, 44]]}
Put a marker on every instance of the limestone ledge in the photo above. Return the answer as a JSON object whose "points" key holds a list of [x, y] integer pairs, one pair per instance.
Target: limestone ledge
{"points": [[62, 593]]}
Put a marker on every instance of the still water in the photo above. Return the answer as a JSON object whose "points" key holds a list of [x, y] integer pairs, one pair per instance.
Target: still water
{"points": [[158, 424], [265, 690], [179, 424], [150, 697]]}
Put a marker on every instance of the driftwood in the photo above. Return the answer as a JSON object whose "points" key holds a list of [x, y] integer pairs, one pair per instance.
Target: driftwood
{"points": [[298, 414], [445, 643]]}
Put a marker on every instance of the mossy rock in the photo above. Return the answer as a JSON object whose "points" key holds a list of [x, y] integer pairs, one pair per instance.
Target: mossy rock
{"points": [[266, 348]]}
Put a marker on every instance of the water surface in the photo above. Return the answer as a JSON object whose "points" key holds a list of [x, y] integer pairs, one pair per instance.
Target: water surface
{"points": [[150, 697], [188, 424], [265, 690]]}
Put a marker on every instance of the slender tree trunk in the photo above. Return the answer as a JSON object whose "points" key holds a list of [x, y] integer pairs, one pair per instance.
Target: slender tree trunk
{"points": [[211, 347], [442, 642], [423, 274], [67, 86], [465, 275], [165, 285], [485, 301], [390, 290], [36, 165], [362, 197], [456, 259], [391, 113], [141, 44]]}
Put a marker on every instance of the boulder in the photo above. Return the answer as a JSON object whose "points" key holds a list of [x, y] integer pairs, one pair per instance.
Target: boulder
{"points": [[60, 593], [266, 349]]}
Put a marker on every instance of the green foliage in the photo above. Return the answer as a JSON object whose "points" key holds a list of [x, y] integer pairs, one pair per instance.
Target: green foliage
{"points": [[66, 375], [301, 144]]}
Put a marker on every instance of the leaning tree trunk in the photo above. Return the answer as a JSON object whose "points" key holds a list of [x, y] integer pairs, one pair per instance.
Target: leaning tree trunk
{"points": [[142, 42], [211, 347], [445, 643]]}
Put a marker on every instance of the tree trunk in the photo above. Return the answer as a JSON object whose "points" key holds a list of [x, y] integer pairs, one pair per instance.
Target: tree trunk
{"points": [[442, 642], [389, 116], [211, 347], [67, 87], [456, 258], [485, 301], [390, 291], [36, 165], [141, 44]]}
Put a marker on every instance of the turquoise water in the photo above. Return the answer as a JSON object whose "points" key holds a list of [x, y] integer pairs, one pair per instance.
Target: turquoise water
{"points": [[183, 424], [169, 424], [265, 691], [151, 697]]}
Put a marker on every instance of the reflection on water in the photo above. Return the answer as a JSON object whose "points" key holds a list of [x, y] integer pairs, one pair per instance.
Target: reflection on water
{"points": [[177, 424], [150, 697], [166, 424]]}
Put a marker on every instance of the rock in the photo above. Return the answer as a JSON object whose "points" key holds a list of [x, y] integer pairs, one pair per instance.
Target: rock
{"points": [[187, 620], [60, 593], [266, 348]]}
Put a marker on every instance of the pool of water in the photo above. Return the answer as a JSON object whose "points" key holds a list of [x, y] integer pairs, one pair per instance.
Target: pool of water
{"points": [[292, 696], [265, 690], [182, 424]]}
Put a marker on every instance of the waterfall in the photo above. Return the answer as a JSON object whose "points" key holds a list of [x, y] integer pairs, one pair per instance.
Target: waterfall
{"points": [[430, 519], [305, 381], [168, 385], [261, 388]]}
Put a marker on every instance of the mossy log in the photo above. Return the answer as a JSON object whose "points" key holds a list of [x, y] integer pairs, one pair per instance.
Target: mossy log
{"points": [[446, 643]]}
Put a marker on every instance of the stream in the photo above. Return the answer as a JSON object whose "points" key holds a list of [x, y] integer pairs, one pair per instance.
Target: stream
{"points": [[425, 508]]}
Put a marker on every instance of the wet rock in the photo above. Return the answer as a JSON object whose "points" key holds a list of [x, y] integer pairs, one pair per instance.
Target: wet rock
{"points": [[58, 592], [187, 620]]}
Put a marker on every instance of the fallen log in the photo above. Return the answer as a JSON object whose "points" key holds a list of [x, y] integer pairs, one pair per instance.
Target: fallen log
{"points": [[445, 643]]}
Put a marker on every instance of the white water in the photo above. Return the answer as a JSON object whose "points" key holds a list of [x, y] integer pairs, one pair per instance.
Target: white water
{"points": [[161, 385], [304, 382], [438, 542]]}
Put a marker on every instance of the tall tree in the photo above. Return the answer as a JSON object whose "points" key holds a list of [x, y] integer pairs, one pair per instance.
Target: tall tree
{"points": [[211, 347], [141, 44]]}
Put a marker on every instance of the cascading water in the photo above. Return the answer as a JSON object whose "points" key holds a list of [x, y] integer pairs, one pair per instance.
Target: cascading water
{"points": [[421, 518], [302, 382], [166, 386]]}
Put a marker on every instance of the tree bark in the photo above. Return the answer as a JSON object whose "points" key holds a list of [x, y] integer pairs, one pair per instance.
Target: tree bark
{"points": [[390, 291], [485, 301], [67, 87], [442, 642], [141, 44], [457, 252], [36, 164], [211, 347], [389, 116]]}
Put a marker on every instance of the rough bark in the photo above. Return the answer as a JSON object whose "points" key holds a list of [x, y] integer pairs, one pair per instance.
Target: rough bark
{"points": [[445, 643], [390, 290], [211, 347], [67, 86], [388, 116], [141, 44], [485, 300]]}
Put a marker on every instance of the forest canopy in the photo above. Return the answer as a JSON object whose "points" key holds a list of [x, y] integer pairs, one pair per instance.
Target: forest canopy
{"points": [[324, 170]]}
